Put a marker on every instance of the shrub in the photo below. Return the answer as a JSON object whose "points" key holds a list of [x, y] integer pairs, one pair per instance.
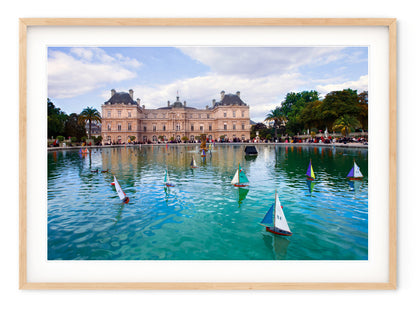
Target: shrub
{"points": [[60, 138]]}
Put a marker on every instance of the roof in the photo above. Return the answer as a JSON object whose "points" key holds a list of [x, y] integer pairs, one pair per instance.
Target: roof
{"points": [[121, 97], [177, 104], [230, 100]]}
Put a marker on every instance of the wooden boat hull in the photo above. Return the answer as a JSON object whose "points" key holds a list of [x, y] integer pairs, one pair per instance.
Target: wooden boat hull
{"points": [[169, 185], [310, 178], [278, 231], [355, 178]]}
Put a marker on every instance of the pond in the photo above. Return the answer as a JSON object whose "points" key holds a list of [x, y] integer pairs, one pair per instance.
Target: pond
{"points": [[204, 217]]}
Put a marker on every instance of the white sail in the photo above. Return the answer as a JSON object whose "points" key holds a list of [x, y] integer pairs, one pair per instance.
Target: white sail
{"points": [[357, 172], [279, 218], [235, 179], [120, 192]]}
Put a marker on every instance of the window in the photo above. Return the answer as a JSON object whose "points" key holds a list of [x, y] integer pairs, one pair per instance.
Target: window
{"points": [[164, 127], [154, 138], [109, 114], [243, 137], [242, 126], [242, 114], [201, 127], [225, 126], [119, 126], [192, 138], [109, 126], [144, 138], [144, 130], [119, 113], [178, 127], [233, 113], [154, 127], [129, 126], [119, 139], [233, 126], [207, 116], [129, 114], [192, 127], [200, 116], [225, 114], [210, 127]]}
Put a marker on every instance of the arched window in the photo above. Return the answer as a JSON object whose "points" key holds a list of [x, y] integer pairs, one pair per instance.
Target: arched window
{"points": [[154, 138]]}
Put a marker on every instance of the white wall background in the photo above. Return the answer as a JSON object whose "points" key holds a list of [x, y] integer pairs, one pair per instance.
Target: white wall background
{"points": [[13, 299]]}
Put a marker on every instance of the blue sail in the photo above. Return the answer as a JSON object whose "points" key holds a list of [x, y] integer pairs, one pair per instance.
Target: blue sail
{"points": [[268, 219], [351, 173]]}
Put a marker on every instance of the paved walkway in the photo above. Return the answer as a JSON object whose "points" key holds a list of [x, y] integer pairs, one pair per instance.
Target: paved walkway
{"points": [[341, 145]]}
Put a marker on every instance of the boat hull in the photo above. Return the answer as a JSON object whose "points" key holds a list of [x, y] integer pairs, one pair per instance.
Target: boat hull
{"points": [[240, 185], [310, 178], [169, 185], [355, 178], [278, 231]]}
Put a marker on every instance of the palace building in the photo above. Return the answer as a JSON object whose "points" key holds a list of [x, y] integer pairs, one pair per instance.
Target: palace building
{"points": [[125, 119]]}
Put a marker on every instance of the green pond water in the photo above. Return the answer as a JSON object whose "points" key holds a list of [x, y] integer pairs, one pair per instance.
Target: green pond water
{"points": [[204, 217]]}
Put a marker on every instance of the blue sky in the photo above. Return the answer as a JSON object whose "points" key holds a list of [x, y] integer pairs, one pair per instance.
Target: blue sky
{"points": [[83, 76]]}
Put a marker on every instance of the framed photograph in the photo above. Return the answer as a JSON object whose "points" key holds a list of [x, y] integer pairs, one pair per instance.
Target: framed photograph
{"points": [[207, 153]]}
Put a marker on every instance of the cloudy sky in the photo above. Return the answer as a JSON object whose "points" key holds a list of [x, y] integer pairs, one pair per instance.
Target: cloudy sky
{"points": [[83, 76]]}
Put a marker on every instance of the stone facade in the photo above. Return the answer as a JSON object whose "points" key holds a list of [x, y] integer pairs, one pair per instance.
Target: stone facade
{"points": [[124, 117]]}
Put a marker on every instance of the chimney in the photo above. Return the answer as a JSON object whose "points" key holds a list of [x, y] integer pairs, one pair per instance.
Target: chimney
{"points": [[113, 91], [138, 101], [213, 102], [131, 92], [222, 95], [207, 107], [238, 93], [168, 103], [184, 103]]}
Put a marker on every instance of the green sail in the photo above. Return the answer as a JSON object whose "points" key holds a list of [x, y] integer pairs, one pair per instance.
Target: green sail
{"points": [[243, 177]]}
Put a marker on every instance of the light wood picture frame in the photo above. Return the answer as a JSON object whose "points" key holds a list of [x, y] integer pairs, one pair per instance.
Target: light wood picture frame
{"points": [[25, 25]]}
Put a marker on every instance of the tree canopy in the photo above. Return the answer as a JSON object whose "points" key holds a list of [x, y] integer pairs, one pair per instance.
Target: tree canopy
{"points": [[305, 110]]}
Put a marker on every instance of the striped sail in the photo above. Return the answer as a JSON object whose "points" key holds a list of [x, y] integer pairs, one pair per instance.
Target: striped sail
{"points": [[120, 192]]}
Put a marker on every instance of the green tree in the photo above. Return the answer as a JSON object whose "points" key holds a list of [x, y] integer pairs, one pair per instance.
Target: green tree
{"points": [[89, 114], [73, 127], [277, 117], [363, 106], [346, 124], [337, 104], [56, 120], [292, 108]]}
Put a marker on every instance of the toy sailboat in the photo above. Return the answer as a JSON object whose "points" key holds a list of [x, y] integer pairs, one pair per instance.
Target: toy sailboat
{"points": [[193, 163], [355, 173], [275, 220], [310, 174], [240, 179], [120, 192], [167, 181]]}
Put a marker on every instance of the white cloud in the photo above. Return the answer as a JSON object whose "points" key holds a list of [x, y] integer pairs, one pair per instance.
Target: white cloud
{"points": [[261, 61], [360, 85], [262, 93], [85, 69]]}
